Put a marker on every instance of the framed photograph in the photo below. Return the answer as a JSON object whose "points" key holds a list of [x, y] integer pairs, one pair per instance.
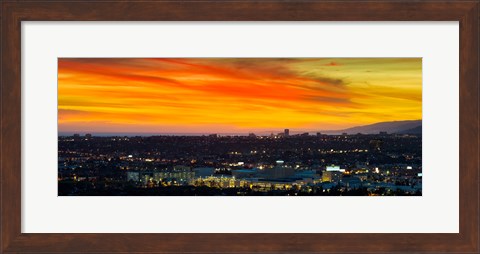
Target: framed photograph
{"points": [[239, 126]]}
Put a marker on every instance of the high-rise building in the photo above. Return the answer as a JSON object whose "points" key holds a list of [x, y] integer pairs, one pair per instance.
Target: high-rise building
{"points": [[287, 132]]}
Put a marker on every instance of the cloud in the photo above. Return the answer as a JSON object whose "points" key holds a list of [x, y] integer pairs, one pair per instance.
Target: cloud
{"points": [[324, 80], [234, 93], [332, 64], [337, 101]]}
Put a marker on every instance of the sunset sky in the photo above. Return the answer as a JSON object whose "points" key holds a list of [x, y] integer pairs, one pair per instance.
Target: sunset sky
{"points": [[234, 95]]}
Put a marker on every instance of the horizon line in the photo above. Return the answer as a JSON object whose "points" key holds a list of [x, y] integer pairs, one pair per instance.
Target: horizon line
{"points": [[258, 133]]}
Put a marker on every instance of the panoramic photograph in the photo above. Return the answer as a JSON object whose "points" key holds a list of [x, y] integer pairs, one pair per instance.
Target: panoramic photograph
{"points": [[239, 127]]}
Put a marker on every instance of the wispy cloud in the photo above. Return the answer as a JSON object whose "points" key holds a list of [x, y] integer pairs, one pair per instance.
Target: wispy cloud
{"points": [[163, 94]]}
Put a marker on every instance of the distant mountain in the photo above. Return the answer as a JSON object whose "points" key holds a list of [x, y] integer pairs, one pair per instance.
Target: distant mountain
{"points": [[416, 130], [402, 127]]}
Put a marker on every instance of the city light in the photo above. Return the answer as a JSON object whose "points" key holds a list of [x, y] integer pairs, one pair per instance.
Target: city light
{"points": [[203, 165], [239, 126]]}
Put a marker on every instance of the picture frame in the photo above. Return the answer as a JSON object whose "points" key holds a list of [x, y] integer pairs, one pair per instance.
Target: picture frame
{"points": [[14, 12]]}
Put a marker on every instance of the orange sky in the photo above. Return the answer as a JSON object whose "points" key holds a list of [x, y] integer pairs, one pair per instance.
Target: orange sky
{"points": [[234, 95]]}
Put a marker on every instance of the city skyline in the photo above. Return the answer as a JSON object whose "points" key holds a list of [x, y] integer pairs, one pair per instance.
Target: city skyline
{"points": [[234, 95], [263, 133], [280, 165], [240, 127]]}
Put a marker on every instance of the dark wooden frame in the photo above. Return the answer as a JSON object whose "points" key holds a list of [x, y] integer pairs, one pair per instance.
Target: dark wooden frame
{"points": [[13, 12]]}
